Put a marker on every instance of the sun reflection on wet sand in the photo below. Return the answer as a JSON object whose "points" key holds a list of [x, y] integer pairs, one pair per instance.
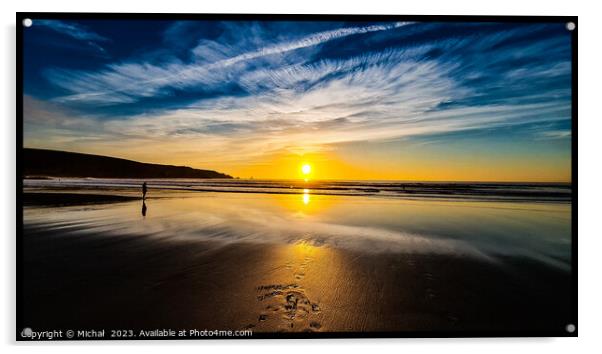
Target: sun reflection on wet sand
{"points": [[539, 231], [306, 196]]}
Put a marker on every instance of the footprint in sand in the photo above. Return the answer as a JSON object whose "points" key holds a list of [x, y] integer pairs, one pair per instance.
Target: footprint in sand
{"points": [[300, 273], [292, 304]]}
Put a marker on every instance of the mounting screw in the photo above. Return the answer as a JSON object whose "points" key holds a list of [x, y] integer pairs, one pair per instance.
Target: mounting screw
{"points": [[570, 26], [570, 328]]}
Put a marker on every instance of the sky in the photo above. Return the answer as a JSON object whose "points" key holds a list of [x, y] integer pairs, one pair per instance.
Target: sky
{"points": [[355, 100]]}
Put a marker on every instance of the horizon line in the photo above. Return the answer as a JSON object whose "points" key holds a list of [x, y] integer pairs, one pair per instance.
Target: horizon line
{"points": [[298, 179]]}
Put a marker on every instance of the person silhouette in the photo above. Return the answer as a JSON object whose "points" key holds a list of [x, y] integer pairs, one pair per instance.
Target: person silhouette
{"points": [[143, 190], [143, 208]]}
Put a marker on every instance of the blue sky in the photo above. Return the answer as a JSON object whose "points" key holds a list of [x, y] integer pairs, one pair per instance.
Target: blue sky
{"points": [[236, 96]]}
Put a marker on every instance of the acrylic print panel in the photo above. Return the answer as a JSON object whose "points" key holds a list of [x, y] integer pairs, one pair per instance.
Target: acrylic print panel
{"points": [[246, 176]]}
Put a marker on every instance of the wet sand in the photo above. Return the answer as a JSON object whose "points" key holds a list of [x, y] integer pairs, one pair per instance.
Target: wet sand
{"points": [[120, 280], [64, 199]]}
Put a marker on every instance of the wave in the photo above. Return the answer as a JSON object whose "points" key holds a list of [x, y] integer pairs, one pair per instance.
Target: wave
{"points": [[553, 192]]}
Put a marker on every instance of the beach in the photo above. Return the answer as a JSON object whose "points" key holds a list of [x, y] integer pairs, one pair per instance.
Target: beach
{"points": [[304, 261]]}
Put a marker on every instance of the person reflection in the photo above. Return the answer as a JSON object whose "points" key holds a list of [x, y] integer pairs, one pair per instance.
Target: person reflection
{"points": [[143, 208]]}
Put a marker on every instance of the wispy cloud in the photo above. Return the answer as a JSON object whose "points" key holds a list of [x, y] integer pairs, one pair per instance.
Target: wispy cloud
{"points": [[555, 134], [74, 31], [123, 83]]}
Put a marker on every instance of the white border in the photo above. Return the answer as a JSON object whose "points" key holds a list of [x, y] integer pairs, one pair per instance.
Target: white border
{"points": [[590, 118]]}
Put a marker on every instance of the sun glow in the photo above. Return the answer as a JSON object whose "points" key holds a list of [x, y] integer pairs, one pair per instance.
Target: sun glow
{"points": [[306, 169]]}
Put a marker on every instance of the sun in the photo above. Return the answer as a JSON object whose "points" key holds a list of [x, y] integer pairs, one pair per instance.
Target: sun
{"points": [[306, 169]]}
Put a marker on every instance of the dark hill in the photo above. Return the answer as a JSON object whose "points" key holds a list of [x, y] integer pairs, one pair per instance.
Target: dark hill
{"points": [[39, 162]]}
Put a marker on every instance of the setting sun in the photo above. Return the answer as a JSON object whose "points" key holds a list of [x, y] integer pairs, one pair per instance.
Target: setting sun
{"points": [[306, 169]]}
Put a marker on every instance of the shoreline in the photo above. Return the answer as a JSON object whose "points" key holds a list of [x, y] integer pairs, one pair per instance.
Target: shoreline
{"points": [[411, 192]]}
